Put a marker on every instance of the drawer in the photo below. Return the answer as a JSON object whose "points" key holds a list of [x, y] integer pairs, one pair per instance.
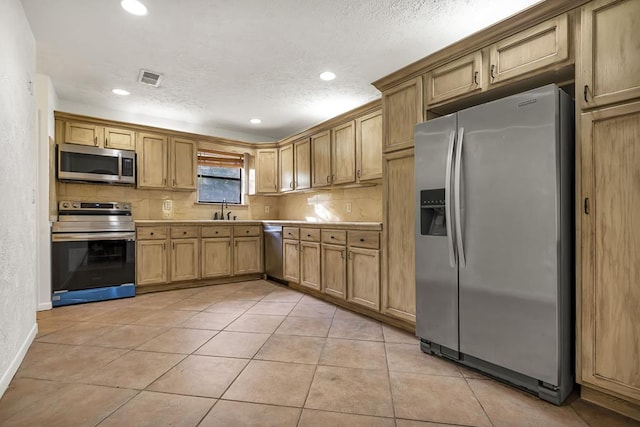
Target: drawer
{"points": [[336, 237], [364, 239], [184, 232], [151, 233], [310, 234], [290, 233], [246, 230], [215, 232]]}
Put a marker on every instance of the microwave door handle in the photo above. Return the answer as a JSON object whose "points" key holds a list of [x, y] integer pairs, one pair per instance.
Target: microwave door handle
{"points": [[119, 167], [458, 196], [448, 200]]}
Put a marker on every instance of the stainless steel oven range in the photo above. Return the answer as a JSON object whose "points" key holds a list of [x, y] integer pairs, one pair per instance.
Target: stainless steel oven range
{"points": [[93, 252]]}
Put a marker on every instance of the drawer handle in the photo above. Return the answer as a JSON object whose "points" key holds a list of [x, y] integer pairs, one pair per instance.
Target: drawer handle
{"points": [[493, 67], [152, 233], [247, 231], [308, 235], [362, 240], [184, 232], [586, 93], [475, 78], [332, 237], [216, 232]]}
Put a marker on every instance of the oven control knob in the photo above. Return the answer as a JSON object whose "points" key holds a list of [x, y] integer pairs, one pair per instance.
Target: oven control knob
{"points": [[65, 205], [76, 205], [117, 206]]}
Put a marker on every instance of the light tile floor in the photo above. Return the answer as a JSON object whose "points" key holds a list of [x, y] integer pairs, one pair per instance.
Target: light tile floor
{"points": [[253, 354]]}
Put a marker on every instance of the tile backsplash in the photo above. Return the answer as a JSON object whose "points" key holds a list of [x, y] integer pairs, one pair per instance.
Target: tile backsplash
{"points": [[365, 203]]}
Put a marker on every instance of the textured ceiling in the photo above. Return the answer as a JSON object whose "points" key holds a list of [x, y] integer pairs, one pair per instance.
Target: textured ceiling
{"points": [[226, 61]]}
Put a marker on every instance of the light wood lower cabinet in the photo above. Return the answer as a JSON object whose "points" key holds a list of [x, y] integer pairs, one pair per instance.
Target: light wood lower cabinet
{"points": [[334, 270], [247, 255], [363, 275], [609, 300], [151, 262], [184, 259], [291, 260], [310, 265], [215, 257]]}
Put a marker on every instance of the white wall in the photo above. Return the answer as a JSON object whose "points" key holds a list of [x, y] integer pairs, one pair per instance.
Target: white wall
{"points": [[18, 164], [46, 103]]}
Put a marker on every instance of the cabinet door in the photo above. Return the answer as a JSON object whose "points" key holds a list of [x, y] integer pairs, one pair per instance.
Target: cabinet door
{"points": [[247, 255], [538, 47], [267, 170], [184, 163], [310, 265], [369, 146], [184, 259], [610, 52], [82, 133], [152, 161], [457, 78], [363, 277], [151, 262], [120, 139], [291, 260], [610, 302], [401, 111], [399, 293], [302, 164], [334, 270], [343, 153], [286, 168], [215, 257], [321, 159]]}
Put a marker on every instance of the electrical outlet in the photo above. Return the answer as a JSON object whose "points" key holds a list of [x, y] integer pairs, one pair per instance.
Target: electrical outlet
{"points": [[267, 208], [167, 205], [348, 207]]}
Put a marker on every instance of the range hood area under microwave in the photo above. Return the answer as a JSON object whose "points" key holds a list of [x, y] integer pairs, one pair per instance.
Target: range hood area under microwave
{"points": [[94, 164]]}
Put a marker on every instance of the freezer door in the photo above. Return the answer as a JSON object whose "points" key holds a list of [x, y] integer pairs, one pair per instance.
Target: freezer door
{"points": [[510, 233], [436, 272]]}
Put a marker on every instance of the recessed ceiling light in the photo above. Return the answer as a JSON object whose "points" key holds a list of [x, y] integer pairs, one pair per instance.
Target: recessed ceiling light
{"points": [[134, 7], [327, 75], [256, 121], [121, 92]]}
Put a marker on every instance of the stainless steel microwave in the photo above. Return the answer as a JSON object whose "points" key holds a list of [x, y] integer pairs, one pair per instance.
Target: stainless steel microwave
{"points": [[94, 164]]}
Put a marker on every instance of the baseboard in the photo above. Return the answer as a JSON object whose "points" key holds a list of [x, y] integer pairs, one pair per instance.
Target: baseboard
{"points": [[45, 306], [7, 376]]}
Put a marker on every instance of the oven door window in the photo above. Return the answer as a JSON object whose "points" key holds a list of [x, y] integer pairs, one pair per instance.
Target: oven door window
{"points": [[90, 264]]}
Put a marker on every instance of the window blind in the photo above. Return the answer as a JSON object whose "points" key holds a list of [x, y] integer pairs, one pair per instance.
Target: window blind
{"points": [[220, 159]]}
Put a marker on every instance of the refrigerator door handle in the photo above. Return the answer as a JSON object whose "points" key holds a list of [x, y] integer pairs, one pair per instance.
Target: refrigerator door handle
{"points": [[449, 200], [457, 196]]}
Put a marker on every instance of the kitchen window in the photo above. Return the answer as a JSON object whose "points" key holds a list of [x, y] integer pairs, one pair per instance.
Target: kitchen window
{"points": [[220, 177]]}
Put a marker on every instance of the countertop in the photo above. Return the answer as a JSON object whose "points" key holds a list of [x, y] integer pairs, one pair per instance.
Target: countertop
{"points": [[348, 225]]}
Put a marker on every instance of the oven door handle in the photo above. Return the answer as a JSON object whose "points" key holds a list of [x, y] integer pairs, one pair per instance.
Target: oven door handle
{"points": [[75, 237]]}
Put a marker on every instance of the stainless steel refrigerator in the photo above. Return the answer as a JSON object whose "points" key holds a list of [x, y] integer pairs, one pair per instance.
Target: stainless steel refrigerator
{"points": [[494, 258]]}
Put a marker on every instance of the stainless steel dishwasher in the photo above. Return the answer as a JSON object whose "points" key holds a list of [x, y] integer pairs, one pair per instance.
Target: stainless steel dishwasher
{"points": [[273, 251]]}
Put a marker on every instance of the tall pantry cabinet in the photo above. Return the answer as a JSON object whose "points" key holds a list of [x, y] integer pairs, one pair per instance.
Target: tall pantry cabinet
{"points": [[608, 87]]}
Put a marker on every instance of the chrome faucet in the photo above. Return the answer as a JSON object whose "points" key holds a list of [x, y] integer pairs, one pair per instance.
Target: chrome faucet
{"points": [[223, 204]]}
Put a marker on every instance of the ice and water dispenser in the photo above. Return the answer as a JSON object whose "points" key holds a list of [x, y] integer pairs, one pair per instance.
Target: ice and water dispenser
{"points": [[432, 213]]}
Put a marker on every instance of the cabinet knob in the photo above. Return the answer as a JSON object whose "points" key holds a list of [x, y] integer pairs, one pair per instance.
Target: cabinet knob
{"points": [[216, 232], [184, 232], [362, 240], [308, 235], [332, 237], [247, 231], [151, 233]]}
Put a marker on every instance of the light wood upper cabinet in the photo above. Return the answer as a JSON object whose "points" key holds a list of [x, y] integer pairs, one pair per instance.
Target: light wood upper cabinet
{"points": [[151, 262], [120, 139], [363, 274], [456, 78], [334, 270], [321, 159], [538, 47], [291, 260], [215, 257], [267, 170], [401, 111], [247, 255], [286, 167], [343, 153], [302, 164], [369, 146], [152, 160], [184, 259], [184, 163], [398, 290], [610, 52], [310, 265], [610, 241]]}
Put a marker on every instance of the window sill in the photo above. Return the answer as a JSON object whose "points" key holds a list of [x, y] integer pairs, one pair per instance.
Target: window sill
{"points": [[217, 205]]}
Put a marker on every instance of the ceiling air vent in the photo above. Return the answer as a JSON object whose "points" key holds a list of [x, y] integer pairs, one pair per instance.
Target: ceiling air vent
{"points": [[150, 78]]}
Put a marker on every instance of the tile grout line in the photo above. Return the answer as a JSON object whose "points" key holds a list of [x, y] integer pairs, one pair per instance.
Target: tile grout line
{"points": [[466, 380]]}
